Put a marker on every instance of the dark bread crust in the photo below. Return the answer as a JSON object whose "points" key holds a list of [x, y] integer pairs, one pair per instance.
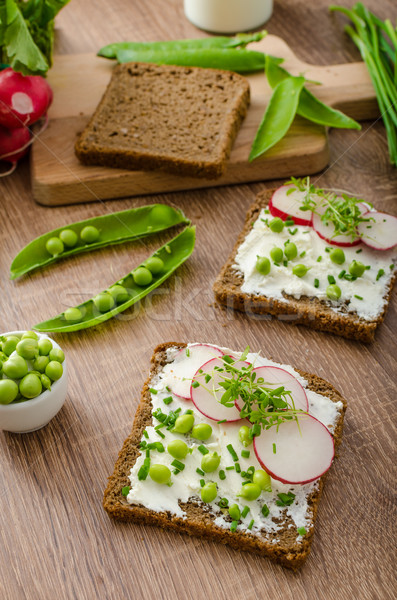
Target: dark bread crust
{"points": [[311, 312], [182, 120], [199, 521]]}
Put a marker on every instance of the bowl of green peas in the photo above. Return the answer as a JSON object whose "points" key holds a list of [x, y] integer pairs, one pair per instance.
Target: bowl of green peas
{"points": [[33, 380]]}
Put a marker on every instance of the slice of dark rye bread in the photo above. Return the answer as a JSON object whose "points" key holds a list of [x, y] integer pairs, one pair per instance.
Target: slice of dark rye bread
{"points": [[199, 521], [312, 312], [183, 120]]}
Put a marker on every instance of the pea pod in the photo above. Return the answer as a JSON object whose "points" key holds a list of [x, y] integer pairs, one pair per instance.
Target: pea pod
{"points": [[228, 59], [278, 117], [173, 254], [114, 228], [239, 41], [309, 106]]}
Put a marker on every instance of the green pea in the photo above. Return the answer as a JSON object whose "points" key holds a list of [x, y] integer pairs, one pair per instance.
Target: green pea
{"points": [[209, 492], [178, 449], [8, 391], [119, 293], [54, 370], [183, 423], [16, 367], [142, 276], [30, 386], [9, 345], [262, 265], [356, 268], [57, 354], [154, 264], [160, 473], [250, 491], [73, 315], [44, 345], [28, 348], [201, 431], [103, 301], [337, 256], [333, 292], [276, 254], [235, 512], [261, 478], [290, 250], [244, 436], [160, 214], [89, 234], [276, 225], [300, 270], [40, 363], [68, 237], [46, 381], [54, 246], [30, 334], [210, 462]]}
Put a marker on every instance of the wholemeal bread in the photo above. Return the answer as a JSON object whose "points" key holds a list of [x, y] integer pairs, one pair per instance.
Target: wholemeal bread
{"points": [[178, 119], [284, 545], [310, 311]]}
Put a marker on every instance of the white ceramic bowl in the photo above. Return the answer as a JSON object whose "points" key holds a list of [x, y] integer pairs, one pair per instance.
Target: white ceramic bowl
{"points": [[33, 414]]}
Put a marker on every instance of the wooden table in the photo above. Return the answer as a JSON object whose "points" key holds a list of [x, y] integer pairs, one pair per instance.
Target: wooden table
{"points": [[56, 540]]}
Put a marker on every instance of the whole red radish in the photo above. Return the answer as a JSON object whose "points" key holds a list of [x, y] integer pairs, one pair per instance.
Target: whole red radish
{"points": [[23, 99], [14, 143]]}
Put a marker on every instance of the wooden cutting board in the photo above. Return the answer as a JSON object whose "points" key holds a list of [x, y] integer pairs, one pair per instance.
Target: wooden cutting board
{"points": [[79, 81]]}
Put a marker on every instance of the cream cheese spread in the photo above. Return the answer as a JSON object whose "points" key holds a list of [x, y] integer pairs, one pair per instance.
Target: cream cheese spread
{"points": [[365, 296], [186, 484]]}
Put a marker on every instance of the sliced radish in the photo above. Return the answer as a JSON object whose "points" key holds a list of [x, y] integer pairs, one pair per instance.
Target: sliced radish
{"points": [[285, 205], [274, 377], [380, 233], [206, 396], [326, 231], [293, 454], [186, 364]]}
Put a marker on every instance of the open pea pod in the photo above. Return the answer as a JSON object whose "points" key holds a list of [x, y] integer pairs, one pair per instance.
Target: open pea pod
{"points": [[173, 254], [114, 228]]}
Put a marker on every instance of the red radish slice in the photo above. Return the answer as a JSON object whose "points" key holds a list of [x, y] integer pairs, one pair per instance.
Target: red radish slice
{"points": [[380, 234], [186, 364], [206, 397], [285, 205], [295, 455], [274, 377], [326, 231]]}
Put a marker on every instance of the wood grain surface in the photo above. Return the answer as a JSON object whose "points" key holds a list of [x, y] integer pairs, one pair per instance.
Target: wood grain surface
{"points": [[59, 178], [55, 538]]}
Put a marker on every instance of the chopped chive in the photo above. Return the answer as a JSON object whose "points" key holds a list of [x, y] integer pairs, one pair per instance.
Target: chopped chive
{"points": [[207, 378], [358, 297], [359, 250], [145, 433], [147, 453], [233, 526], [245, 453], [167, 387], [167, 400], [228, 359], [178, 464], [391, 267], [222, 475], [245, 511], [379, 274], [143, 473], [251, 524], [200, 472], [301, 531], [331, 279], [367, 268], [188, 412], [202, 449], [187, 352], [256, 429], [302, 254], [155, 446], [230, 468], [176, 471], [274, 449], [245, 482], [319, 258], [316, 283], [202, 482], [142, 445], [243, 473], [223, 421], [152, 391], [328, 249], [237, 467], [265, 510], [285, 263], [289, 222], [285, 499], [251, 470], [195, 384], [293, 231], [232, 452], [341, 274], [125, 490], [223, 502]]}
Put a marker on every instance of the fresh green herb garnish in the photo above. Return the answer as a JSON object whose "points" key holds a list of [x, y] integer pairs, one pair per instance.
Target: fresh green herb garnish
{"points": [[125, 490], [331, 279], [178, 464], [245, 453], [265, 510], [203, 449], [274, 449], [222, 475], [200, 472], [231, 449], [285, 499], [233, 526], [316, 283], [379, 274], [301, 531], [167, 400], [152, 391], [245, 511], [358, 297]]}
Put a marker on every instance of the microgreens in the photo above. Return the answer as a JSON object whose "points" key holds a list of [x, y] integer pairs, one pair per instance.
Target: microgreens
{"points": [[341, 208]]}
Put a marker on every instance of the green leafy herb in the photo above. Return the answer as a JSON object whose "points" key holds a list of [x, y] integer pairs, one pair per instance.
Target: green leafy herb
{"points": [[301, 531], [265, 510], [245, 511], [285, 499], [125, 490]]}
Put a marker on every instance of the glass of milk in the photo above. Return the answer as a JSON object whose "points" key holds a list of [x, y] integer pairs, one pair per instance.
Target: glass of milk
{"points": [[228, 16]]}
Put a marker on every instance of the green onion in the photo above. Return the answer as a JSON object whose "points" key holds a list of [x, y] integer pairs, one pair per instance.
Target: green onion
{"points": [[222, 475], [195, 384], [302, 254], [156, 446], [391, 267], [289, 222], [200, 472], [223, 421], [167, 400], [274, 449], [145, 433], [233, 526], [301, 531], [256, 429], [316, 283], [359, 250], [379, 274], [202, 482], [187, 352], [285, 499], [265, 510], [251, 524], [143, 473], [341, 274], [251, 470], [358, 297], [245, 453], [319, 258], [293, 231], [207, 378], [237, 467], [152, 391], [202, 449], [223, 502], [245, 512], [125, 490], [230, 468], [331, 279], [178, 464], [232, 452], [160, 433]]}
